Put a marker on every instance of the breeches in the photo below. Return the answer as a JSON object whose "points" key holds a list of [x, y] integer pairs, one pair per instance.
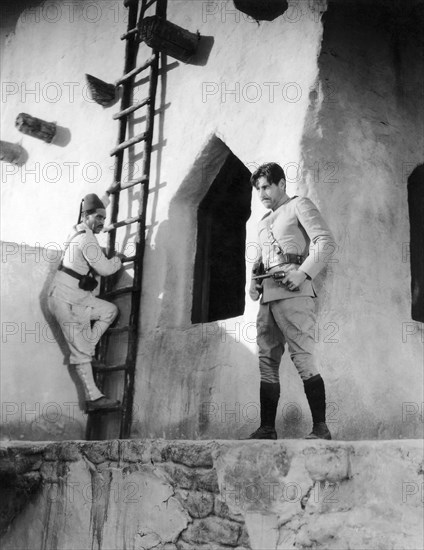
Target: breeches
{"points": [[290, 321], [76, 324]]}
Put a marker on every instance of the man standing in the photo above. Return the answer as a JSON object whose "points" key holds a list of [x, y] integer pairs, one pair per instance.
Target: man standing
{"points": [[295, 242], [84, 318]]}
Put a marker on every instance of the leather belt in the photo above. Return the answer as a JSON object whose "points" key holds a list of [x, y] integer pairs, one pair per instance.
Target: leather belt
{"points": [[70, 272], [289, 259]]}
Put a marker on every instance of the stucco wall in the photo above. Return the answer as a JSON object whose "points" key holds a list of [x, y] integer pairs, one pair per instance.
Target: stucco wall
{"points": [[263, 94], [39, 400]]}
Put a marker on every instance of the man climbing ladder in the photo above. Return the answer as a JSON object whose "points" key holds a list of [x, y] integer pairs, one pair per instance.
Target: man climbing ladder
{"points": [[82, 317]]}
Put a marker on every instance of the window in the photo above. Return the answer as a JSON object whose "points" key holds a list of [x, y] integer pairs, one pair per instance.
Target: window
{"points": [[220, 268], [416, 220]]}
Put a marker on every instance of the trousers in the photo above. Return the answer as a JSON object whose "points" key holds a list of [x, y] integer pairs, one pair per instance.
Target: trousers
{"points": [[289, 321], [76, 323]]}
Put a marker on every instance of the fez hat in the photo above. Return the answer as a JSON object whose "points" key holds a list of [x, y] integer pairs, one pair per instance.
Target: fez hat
{"points": [[91, 202]]}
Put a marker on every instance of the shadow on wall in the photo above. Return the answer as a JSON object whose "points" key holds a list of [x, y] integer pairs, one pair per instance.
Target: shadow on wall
{"points": [[54, 326]]}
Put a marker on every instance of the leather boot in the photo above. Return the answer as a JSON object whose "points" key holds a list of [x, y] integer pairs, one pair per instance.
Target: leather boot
{"points": [[269, 396], [315, 393]]}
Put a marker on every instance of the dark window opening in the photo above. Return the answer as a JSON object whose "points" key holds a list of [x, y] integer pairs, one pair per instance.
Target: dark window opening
{"points": [[416, 220], [220, 268]]}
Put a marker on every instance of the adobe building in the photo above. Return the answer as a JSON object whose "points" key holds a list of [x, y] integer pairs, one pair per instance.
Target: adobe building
{"points": [[332, 91]]}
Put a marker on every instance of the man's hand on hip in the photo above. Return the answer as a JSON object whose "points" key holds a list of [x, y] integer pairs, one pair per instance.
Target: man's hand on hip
{"points": [[294, 279]]}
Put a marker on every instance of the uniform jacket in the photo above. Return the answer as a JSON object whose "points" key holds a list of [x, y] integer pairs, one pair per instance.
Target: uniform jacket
{"points": [[83, 251], [296, 227]]}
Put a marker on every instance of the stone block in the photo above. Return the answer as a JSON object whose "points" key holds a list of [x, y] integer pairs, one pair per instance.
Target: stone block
{"points": [[221, 509], [182, 545], [100, 451], [243, 539], [198, 504], [68, 451], [206, 481], [146, 542], [140, 451], [52, 472], [212, 530], [189, 453], [327, 464], [179, 476]]}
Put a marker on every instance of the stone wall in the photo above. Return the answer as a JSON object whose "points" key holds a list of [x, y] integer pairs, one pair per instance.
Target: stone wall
{"points": [[329, 91], [212, 495]]}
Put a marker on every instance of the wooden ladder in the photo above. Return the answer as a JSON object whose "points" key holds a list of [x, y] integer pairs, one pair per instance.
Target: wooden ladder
{"points": [[119, 418]]}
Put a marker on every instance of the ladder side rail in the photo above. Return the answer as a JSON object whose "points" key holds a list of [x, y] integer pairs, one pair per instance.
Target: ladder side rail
{"points": [[138, 266], [131, 48]]}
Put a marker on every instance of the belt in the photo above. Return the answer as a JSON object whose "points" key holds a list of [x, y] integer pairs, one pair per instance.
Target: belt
{"points": [[70, 272], [289, 259]]}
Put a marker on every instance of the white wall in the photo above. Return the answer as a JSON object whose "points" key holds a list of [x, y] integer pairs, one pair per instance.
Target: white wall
{"points": [[202, 380]]}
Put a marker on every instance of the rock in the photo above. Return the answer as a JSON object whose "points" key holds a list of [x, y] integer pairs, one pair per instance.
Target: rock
{"points": [[243, 539], [198, 504], [179, 476], [188, 453], [327, 464], [100, 451], [141, 451], [221, 509], [206, 481], [212, 530], [146, 542], [67, 451]]}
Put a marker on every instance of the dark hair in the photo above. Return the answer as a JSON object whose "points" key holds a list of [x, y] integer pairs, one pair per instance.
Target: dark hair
{"points": [[271, 171]]}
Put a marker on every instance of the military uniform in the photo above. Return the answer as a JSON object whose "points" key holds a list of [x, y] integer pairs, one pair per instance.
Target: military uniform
{"points": [[295, 231], [82, 317], [293, 236], [75, 308]]}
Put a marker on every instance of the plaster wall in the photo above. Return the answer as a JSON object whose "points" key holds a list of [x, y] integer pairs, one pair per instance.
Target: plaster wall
{"points": [[262, 94], [39, 399]]}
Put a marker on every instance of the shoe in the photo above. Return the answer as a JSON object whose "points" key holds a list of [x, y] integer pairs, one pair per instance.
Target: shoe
{"points": [[319, 431], [103, 403], [264, 432]]}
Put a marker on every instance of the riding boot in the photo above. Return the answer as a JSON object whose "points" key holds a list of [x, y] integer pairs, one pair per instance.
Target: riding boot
{"points": [[269, 395], [315, 393]]}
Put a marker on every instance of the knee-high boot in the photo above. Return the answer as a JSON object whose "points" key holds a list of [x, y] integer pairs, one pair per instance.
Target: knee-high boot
{"points": [[315, 393], [269, 395]]}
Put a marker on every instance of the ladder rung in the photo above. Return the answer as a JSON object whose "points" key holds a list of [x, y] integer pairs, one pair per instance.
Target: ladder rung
{"points": [[122, 223], [111, 368], [128, 143], [118, 330], [117, 292], [129, 259], [108, 410], [132, 183], [135, 71], [131, 109], [118, 187], [129, 34]]}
